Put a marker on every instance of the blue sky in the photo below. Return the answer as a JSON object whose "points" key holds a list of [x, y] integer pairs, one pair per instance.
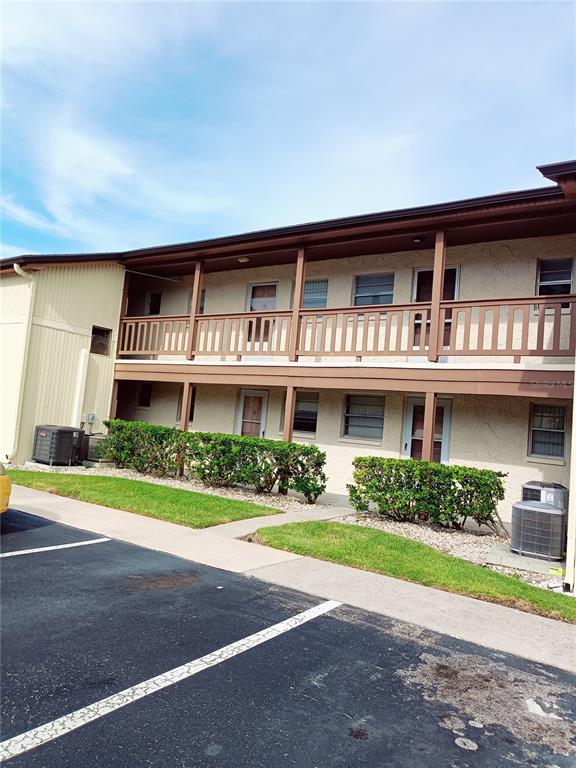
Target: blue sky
{"points": [[131, 124]]}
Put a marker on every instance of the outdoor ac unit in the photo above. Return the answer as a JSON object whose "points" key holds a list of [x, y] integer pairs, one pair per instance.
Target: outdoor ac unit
{"points": [[538, 530], [546, 493], [56, 445]]}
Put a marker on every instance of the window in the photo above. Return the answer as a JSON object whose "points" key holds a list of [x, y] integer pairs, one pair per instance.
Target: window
{"points": [[202, 302], [154, 301], [315, 294], [547, 429], [364, 417], [554, 277], [144, 394], [306, 412], [373, 289], [100, 343]]}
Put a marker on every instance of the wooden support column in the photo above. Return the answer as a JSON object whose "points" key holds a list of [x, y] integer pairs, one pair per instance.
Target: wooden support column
{"points": [[289, 413], [114, 400], [194, 307], [429, 422], [297, 305], [437, 333], [185, 409]]}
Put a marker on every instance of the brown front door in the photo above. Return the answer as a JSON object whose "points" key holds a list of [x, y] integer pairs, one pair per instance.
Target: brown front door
{"points": [[262, 299], [252, 417]]}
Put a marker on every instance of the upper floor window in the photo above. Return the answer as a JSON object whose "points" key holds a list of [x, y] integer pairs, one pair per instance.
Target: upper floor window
{"points": [[373, 289], [547, 430], [554, 277], [306, 412], [315, 294], [100, 342], [364, 417]]}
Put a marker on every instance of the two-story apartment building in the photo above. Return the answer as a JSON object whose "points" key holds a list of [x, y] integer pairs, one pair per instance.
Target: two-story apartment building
{"points": [[445, 332]]}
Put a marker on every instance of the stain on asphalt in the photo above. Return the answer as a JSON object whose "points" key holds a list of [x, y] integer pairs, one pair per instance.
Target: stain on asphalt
{"points": [[529, 706], [359, 733], [164, 581]]}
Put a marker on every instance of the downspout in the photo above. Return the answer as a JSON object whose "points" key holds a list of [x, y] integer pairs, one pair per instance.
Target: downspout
{"points": [[21, 273], [570, 576]]}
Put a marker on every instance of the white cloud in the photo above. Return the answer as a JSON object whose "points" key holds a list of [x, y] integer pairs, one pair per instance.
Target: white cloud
{"points": [[25, 216]]}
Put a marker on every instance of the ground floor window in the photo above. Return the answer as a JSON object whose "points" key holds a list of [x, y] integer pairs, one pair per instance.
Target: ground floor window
{"points": [[547, 430], [306, 412], [364, 417]]}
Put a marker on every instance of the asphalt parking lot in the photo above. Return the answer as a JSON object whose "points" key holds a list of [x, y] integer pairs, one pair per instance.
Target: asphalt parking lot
{"points": [[114, 655]]}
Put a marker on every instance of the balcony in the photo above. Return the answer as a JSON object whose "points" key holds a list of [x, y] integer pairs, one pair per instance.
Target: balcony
{"points": [[541, 327]]}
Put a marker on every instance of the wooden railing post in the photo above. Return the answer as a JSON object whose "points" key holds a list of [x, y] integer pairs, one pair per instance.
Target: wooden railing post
{"points": [[194, 307], [297, 305], [188, 387], [429, 424], [436, 333]]}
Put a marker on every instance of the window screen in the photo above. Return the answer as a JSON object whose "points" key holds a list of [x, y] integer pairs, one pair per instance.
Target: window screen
{"points": [[306, 412], [547, 429], [555, 277], [364, 417], [373, 289], [315, 294], [100, 342]]}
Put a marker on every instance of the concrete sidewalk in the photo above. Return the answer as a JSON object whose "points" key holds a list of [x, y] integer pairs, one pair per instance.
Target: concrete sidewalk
{"points": [[503, 629]]}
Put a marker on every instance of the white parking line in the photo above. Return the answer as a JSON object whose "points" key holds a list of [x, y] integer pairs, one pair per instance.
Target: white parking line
{"points": [[53, 730], [49, 549]]}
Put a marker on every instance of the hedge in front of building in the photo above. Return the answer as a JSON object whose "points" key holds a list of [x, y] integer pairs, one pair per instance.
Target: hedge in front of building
{"points": [[216, 459], [410, 490]]}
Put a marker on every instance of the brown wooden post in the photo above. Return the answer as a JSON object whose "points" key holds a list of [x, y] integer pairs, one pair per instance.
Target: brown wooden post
{"points": [[437, 333], [194, 307], [289, 413], [188, 387], [114, 400], [297, 305], [429, 423]]}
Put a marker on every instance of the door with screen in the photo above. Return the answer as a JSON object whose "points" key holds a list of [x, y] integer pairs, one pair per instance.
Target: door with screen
{"points": [[251, 420], [262, 299], [414, 430]]}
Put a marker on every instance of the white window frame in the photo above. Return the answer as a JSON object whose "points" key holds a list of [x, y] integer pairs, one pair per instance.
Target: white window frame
{"points": [[553, 282], [354, 438], [546, 456], [372, 274], [301, 432], [314, 280]]}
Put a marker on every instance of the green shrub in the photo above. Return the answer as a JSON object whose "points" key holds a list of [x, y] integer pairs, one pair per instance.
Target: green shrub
{"points": [[217, 459], [406, 489]]}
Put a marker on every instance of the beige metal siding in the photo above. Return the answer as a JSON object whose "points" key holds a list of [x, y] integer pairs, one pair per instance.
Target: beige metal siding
{"points": [[15, 293], [69, 301]]}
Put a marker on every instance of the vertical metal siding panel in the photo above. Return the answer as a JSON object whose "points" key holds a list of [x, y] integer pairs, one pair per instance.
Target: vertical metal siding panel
{"points": [[75, 298]]}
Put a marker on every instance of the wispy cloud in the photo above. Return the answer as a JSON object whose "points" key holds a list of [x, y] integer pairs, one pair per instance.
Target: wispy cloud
{"points": [[131, 123]]}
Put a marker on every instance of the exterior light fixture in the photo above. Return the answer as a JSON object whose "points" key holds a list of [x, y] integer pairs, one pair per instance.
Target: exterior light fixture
{"points": [[418, 239], [243, 260]]}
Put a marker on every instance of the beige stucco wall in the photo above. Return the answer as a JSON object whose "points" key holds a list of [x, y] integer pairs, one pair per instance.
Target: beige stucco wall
{"points": [[489, 432], [69, 301], [499, 269], [15, 296]]}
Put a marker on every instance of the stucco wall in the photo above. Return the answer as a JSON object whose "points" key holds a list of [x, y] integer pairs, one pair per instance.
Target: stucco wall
{"points": [[490, 432], [487, 270], [68, 302], [15, 294]]}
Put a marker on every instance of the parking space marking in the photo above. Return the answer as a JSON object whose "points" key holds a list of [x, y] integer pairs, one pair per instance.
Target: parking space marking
{"points": [[62, 725], [55, 546]]}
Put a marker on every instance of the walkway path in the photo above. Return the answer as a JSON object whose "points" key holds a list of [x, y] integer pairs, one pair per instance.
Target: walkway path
{"points": [[494, 626]]}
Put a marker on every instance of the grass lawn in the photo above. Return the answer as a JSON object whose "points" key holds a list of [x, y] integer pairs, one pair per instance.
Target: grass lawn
{"points": [[196, 510], [402, 558]]}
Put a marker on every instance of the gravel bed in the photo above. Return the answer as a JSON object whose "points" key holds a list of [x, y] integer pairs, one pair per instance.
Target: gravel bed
{"points": [[274, 500], [473, 546]]}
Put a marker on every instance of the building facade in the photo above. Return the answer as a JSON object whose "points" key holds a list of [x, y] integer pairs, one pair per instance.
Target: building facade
{"points": [[445, 333]]}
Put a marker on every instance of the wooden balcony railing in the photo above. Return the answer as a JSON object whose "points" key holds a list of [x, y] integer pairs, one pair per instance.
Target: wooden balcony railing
{"points": [[519, 327]]}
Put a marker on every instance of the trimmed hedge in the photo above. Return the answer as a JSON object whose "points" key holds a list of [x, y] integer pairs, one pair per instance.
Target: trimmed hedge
{"points": [[409, 490], [217, 459]]}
